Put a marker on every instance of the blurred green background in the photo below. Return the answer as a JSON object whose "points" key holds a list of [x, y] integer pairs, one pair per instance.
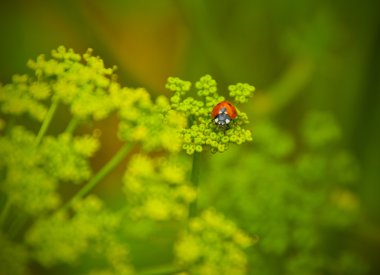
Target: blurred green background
{"points": [[300, 55]]}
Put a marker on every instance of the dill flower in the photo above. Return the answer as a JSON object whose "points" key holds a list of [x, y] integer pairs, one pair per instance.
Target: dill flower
{"points": [[67, 157], [201, 133], [167, 194], [90, 232], [24, 168], [62, 158], [144, 121], [241, 92], [213, 245], [80, 81], [17, 98], [156, 181]]}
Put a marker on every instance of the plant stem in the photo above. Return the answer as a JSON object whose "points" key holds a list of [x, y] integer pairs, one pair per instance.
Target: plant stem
{"points": [[106, 169], [195, 181], [47, 120], [71, 126]]}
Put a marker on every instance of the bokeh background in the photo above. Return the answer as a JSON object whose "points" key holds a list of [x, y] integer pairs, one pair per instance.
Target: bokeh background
{"points": [[301, 56]]}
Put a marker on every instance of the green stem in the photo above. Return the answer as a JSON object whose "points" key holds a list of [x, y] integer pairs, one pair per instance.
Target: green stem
{"points": [[47, 120], [71, 126], [106, 169], [195, 181], [161, 270], [4, 212]]}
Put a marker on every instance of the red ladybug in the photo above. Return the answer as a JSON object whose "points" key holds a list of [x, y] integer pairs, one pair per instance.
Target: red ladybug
{"points": [[223, 113]]}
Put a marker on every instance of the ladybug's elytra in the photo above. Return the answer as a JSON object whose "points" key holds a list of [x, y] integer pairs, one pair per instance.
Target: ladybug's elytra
{"points": [[223, 113]]}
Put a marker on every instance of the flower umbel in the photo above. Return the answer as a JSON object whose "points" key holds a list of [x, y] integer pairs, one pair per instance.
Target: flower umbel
{"points": [[79, 81], [45, 219], [168, 194], [213, 245], [201, 133]]}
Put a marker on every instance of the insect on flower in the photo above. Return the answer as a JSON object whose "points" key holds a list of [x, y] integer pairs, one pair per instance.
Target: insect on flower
{"points": [[223, 113]]}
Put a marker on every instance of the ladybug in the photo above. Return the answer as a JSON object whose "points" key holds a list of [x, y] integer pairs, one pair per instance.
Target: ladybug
{"points": [[223, 113]]}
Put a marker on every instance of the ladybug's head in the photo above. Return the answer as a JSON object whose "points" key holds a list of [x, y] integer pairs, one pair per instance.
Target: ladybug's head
{"points": [[222, 118]]}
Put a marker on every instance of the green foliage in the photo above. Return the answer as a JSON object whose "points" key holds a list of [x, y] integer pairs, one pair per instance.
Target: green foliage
{"points": [[320, 130], [83, 234], [293, 192], [301, 55], [295, 200]]}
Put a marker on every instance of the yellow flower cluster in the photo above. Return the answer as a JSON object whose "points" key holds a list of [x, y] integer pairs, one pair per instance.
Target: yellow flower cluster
{"points": [[27, 183], [33, 165], [241, 92], [67, 156], [150, 123], [62, 158], [91, 232], [82, 82], [19, 97], [157, 188], [213, 245], [201, 133]]}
